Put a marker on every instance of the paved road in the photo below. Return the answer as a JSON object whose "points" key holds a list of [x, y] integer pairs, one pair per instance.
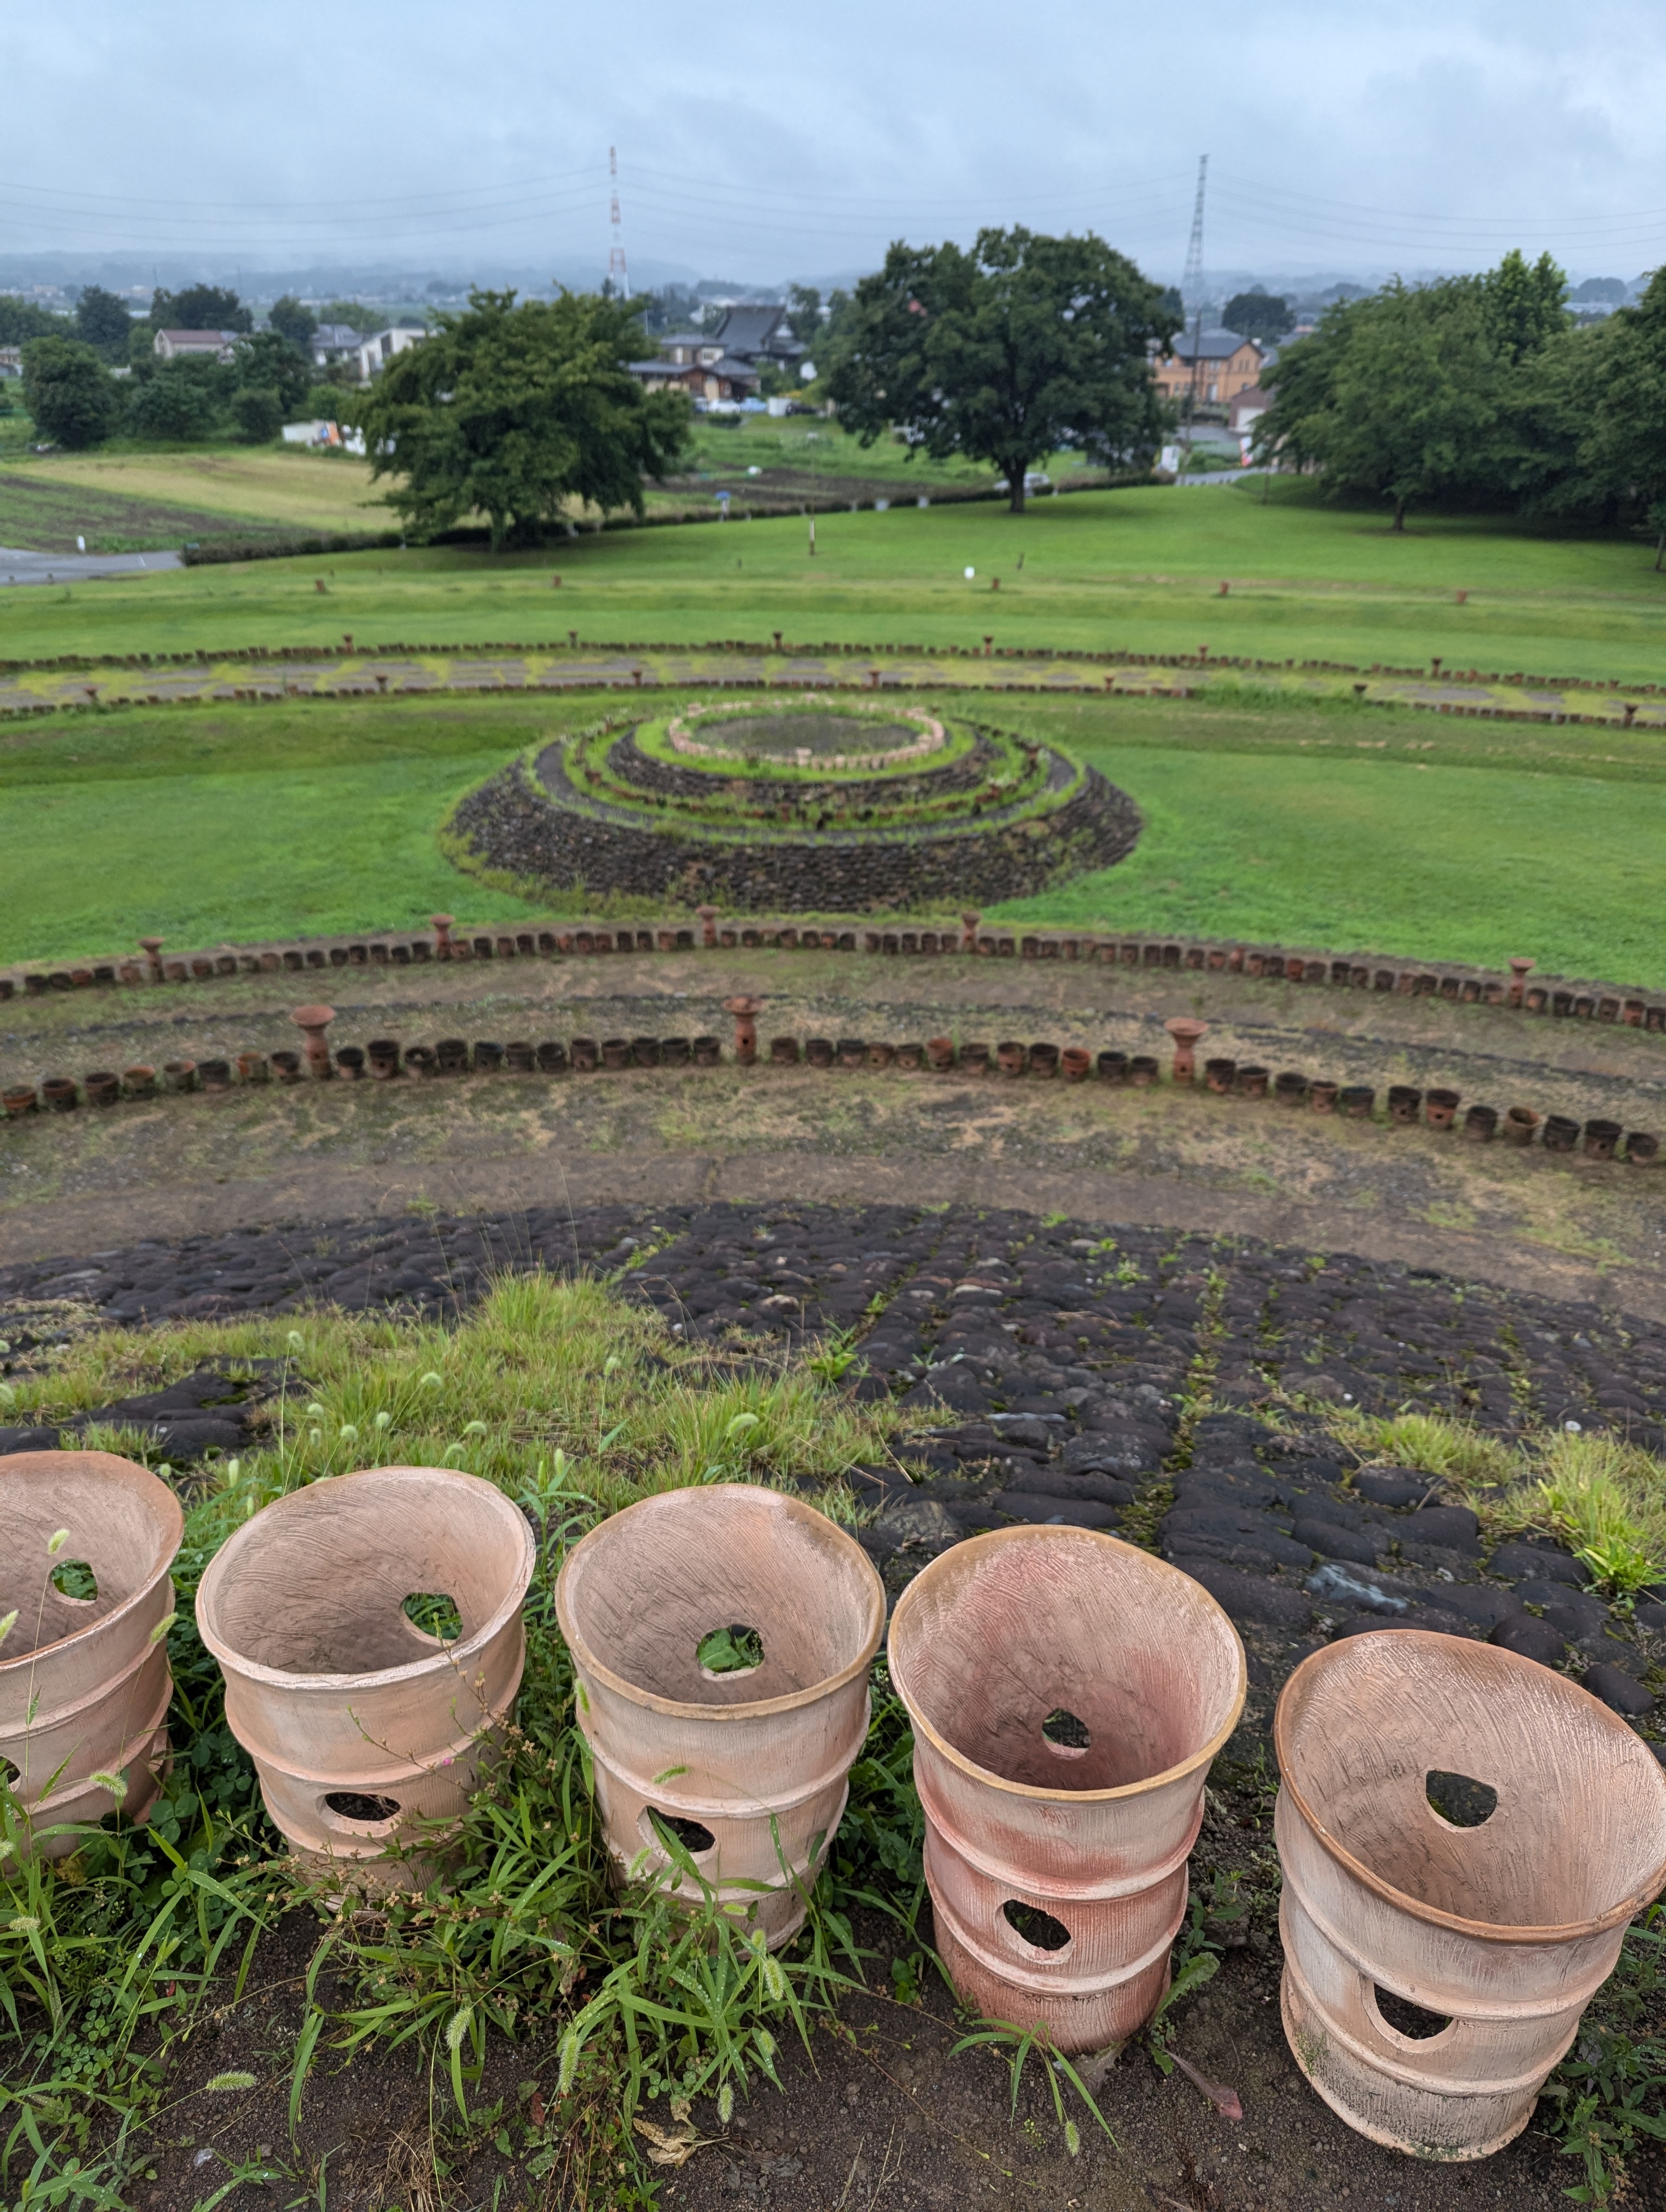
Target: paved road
{"points": [[19, 567]]}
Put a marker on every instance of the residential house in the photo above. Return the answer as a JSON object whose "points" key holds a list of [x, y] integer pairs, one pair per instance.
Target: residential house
{"points": [[760, 334], [11, 360], [749, 336], [195, 345], [330, 341], [1227, 365], [375, 352], [1244, 410], [685, 348], [712, 378]]}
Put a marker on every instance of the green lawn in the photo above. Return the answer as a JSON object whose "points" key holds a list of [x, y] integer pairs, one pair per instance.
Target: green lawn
{"points": [[1442, 863], [1333, 825], [1134, 570], [208, 826]]}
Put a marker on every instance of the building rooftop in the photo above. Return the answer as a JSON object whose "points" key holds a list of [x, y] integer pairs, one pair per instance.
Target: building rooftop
{"points": [[1211, 345]]}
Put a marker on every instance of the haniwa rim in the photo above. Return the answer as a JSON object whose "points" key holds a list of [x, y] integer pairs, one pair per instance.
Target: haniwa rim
{"points": [[1487, 1931], [448, 1655], [757, 1708], [18, 1463], [1047, 1531]]}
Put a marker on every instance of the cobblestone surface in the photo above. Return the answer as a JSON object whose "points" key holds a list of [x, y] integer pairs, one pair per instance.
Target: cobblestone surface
{"points": [[1067, 1358]]}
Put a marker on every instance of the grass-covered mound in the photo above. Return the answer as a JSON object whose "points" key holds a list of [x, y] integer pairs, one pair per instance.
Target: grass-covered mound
{"points": [[815, 806], [1263, 818]]}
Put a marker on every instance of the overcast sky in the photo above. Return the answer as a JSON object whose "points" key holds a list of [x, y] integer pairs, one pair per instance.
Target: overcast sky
{"points": [[763, 145]]}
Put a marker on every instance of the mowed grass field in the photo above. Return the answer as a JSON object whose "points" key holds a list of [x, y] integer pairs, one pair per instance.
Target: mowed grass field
{"points": [[1338, 826], [266, 487], [1138, 571]]}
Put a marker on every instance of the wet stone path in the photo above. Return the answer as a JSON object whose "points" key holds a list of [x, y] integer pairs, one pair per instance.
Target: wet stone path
{"points": [[1068, 1356]]}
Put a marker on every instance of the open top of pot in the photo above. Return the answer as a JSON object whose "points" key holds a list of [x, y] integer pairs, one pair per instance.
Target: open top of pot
{"points": [[323, 1584], [1554, 1819], [1060, 1660], [83, 1536], [724, 1595]]}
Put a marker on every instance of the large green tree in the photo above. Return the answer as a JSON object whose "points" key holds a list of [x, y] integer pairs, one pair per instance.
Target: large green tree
{"points": [[291, 320], [1524, 304], [103, 323], [21, 320], [511, 412], [1619, 395], [1414, 391], [199, 307], [179, 400], [1005, 353], [1258, 314], [258, 414], [73, 398], [268, 362]]}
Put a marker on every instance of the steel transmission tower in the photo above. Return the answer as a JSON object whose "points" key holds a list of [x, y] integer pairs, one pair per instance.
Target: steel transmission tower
{"points": [[618, 275], [1191, 292]]}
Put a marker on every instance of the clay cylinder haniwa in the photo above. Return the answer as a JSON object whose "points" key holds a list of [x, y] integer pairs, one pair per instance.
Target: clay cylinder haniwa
{"points": [[1067, 1693], [750, 1768], [84, 1681], [1499, 1919], [368, 1734]]}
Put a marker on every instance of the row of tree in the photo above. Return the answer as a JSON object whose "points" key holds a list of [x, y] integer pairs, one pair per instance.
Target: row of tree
{"points": [[1002, 353], [101, 319], [1482, 389], [75, 399], [1477, 387]]}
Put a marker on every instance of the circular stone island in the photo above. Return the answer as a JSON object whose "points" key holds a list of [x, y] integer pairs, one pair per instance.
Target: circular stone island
{"points": [[815, 803]]}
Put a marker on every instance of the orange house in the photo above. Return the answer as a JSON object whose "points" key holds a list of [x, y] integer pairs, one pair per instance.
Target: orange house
{"points": [[1227, 365]]}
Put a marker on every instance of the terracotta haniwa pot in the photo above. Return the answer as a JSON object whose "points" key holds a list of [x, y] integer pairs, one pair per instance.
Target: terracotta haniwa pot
{"points": [[368, 1734], [749, 1769], [84, 1681], [1463, 1832], [1067, 1693]]}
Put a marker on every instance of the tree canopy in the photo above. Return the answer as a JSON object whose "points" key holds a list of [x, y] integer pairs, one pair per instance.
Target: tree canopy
{"points": [[268, 362], [1614, 398], [1004, 354], [21, 320], [103, 323], [291, 320], [513, 411], [1416, 391], [72, 396], [199, 307], [1258, 314]]}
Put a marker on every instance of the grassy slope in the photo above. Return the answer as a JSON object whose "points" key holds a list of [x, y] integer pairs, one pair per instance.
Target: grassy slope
{"points": [[264, 485], [47, 514], [1442, 840], [1138, 570], [208, 827], [1455, 849]]}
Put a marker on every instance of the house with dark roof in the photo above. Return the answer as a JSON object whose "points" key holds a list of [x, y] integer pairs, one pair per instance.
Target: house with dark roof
{"points": [[1227, 365], [715, 376], [758, 334], [194, 345], [330, 341]]}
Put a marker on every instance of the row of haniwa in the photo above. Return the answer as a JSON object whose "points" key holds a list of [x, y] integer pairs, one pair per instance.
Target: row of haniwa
{"points": [[1462, 1830]]}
